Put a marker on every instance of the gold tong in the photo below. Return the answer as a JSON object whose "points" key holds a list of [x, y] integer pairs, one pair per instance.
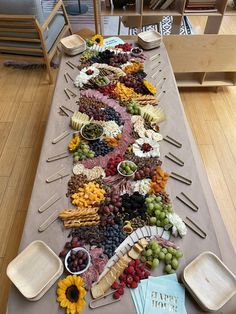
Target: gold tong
{"points": [[180, 178], [172, 141], [64, 109], [175, 159], [189, 204], [69, 93], [92, 306], [195, 228]]}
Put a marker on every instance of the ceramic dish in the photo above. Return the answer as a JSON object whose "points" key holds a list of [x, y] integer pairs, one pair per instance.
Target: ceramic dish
{"points": [[73, 44], [136, 54], [77, 249], [209, 281], [126, 161], [88, 138], [35, 269]]}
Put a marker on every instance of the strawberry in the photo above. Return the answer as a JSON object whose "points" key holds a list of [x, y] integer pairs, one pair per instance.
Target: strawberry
{"points": [[116, 295], [115, 285], [134, 285], [120, 291]]}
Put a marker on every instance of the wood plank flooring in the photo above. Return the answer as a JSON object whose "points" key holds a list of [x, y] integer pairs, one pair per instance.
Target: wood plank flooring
{"points": [[25, 99]]}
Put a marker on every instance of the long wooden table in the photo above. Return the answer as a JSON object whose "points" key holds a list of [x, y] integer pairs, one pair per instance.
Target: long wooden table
{"points": [[208, 216]]}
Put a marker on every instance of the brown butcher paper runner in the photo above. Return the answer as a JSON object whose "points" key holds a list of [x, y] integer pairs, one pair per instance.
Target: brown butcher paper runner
{"points": [[208, 216]]}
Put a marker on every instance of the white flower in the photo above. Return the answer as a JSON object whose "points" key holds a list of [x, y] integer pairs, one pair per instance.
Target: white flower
{"points": [[138, 148], [178, 224]]}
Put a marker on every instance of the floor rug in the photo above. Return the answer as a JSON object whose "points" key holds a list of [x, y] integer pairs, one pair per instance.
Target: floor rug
{"points": [[164, 27]]}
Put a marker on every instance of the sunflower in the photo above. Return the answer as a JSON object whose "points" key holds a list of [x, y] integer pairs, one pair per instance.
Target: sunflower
{"points": [[71, 294], [149, 87], [98, 39]]}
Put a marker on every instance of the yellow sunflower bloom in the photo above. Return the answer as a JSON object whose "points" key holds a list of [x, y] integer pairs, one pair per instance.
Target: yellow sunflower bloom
{"points": [[149, 87], [98, 39], [71, 294]]}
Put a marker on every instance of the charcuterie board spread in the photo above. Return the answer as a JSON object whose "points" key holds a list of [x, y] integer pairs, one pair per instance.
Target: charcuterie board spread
{"points": [[119, 219]]}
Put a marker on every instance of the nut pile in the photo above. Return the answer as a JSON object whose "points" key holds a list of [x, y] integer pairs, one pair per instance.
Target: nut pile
{"points": [[144, 161], [75, 182]]}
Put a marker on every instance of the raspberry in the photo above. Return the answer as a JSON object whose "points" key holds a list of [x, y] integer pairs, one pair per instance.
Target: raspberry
{"points": [[122, 277], [137, 262], [120, 291], [132, 263], [131, 270], [136, 278], [134, 285], [139, 273], [122, 284], [128, 285], [142, 268], [115, 285], [146, 274], [129, 279], [116, 295]]}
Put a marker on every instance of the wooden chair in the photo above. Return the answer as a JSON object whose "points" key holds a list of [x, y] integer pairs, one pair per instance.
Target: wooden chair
{"points": [[32, 37]]}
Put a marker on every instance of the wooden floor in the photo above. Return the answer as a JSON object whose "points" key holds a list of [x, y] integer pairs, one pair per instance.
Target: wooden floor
{"points": [[25, 98]]}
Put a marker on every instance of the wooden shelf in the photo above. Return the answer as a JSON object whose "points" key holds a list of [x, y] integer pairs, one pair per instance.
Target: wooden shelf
{"points": [[230, 11], [147, 11], [204, 79], [188, 79], [119, 12], [202, 14]]}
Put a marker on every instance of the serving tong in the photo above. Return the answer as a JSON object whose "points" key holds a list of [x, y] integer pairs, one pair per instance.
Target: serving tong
{"points": [[172, 141], [64, 109], [175, 159], [57, 175], [154, 57], [195, 228], [60, 137], [101, 298], [71, 65], [69, 93], [66, 76], [52, 200], [180, 178], [53, 217], [189, 204], [58, 156]]}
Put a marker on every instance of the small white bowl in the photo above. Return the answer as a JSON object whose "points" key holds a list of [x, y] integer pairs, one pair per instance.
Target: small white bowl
{"points": [[89, 139], [126, 175], [77, 249], [136, 54]]}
